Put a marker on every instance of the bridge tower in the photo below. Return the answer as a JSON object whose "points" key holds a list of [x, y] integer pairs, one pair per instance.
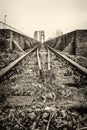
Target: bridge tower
{"points": [[40, 36]]}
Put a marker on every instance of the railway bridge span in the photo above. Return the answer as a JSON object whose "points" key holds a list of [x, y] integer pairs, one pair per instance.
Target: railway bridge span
{"points": [[41, 86]]}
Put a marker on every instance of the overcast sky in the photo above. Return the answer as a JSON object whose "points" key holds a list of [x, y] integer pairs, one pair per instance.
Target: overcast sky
{"points": [[47, 15]]}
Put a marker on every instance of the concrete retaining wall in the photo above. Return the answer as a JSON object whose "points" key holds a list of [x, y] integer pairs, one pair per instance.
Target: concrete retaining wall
{"points": [[81, 42], [74, 42], [25, 42]]}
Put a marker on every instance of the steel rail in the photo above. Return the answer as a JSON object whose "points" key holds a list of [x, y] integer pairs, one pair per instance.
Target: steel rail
{"points": [[5, 70], [38, 59], [48, 59], [81, 69]]}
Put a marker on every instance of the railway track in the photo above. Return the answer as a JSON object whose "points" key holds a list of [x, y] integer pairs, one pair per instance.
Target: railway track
{"points": [[5, 70], [51, 71], [40, 51], [79, 67], [44, 54], [44, 82]]}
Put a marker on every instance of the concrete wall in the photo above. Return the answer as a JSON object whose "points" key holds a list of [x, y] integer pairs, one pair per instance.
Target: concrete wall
{"points": [[81, 42], [74, 42], [23, 41], [63, 41]]}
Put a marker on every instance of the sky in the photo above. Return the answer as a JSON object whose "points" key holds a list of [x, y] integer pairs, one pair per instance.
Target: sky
{"points": [[48, 15]]}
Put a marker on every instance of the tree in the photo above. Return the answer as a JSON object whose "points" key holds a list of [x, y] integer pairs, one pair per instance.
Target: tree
{"points": [[58, 32]]}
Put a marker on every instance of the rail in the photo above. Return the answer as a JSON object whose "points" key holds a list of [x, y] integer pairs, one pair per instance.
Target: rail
{"points": [[39, 60], [48, 59], [5, 70]]}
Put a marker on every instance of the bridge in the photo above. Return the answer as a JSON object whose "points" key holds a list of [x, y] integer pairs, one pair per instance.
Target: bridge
{"points": [[74, 42], [43, 85]]}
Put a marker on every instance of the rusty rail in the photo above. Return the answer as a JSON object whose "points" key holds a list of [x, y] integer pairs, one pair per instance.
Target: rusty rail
{"points": [[38, 59], [48, 59], [5, 70]]}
